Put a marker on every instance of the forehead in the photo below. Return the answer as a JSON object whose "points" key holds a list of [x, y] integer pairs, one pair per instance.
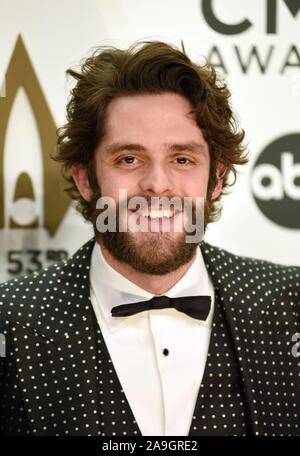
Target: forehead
{"points": [[151, 101], [151, 114]]}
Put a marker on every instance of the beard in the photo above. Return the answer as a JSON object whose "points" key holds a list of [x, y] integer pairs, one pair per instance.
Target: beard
{"points": [[154, 253]]}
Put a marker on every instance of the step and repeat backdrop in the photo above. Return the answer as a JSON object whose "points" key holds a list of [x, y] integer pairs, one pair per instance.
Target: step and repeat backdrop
{"points": [[255, 45]]}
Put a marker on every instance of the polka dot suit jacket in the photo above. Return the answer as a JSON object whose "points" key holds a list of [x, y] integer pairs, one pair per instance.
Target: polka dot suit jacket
{"points": [[56, 377]]}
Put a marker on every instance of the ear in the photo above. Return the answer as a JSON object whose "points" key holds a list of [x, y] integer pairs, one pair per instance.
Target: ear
{"points": [[80, 177], [220, 171]]}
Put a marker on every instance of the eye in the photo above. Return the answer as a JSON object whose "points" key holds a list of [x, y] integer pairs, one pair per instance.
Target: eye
{"points": [[128, 160], [183, 160]]}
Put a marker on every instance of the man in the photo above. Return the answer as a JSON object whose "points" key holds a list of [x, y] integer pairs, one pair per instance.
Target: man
{"points": [[142, 332]]}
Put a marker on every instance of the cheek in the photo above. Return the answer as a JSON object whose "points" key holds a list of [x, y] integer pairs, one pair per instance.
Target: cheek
{"points": [[196, 188], [196, 183], [112, 184]]}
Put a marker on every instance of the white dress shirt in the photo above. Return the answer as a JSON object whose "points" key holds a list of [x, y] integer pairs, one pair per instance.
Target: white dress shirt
{"points": [[161, 389]]}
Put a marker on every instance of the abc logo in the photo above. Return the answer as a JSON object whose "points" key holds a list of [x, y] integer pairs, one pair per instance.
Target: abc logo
{"points": [[275, 181]]}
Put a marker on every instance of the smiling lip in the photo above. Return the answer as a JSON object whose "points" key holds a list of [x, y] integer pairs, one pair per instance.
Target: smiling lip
{"points": [[157, 214], [154, 214]]}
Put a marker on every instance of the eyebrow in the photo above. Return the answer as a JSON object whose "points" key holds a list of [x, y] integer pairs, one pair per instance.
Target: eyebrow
{"points": [[192, 146]]}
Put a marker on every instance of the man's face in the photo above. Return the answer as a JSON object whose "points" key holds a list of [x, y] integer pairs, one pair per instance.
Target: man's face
{"points": [[152, 147]]}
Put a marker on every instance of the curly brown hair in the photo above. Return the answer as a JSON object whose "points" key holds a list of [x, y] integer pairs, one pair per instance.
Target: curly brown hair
{"points": [[147, 68]]}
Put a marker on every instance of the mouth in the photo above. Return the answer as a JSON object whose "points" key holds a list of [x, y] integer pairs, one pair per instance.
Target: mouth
{"points": [[157, 219], [157, 213]]}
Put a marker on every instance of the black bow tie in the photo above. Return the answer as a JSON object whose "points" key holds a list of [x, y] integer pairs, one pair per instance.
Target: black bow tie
{"points": [[194, 306]]}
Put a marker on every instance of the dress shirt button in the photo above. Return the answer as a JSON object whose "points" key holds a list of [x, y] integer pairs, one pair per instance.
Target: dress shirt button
{"points": [[165, 351]]}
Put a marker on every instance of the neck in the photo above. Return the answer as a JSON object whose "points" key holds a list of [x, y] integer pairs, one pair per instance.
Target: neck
{"points": [[154, 284]]}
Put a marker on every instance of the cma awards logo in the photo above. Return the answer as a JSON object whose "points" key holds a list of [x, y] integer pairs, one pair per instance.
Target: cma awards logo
{"points": [[275, 181], [21, 75], [263, 57]]}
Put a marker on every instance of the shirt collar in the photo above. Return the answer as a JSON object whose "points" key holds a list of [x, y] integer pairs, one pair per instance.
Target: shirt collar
{"points": [[109, 288]]}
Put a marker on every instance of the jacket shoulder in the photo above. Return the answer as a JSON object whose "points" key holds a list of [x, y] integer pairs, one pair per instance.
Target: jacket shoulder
{"points": [[23, 299], [250, 265]]}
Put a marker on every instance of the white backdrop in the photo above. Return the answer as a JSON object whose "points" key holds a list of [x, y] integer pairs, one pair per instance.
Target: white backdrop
{"points": [[261, 217]]}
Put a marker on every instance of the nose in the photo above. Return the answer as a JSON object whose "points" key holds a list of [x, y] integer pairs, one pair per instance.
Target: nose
{"points": [[157, 180]]}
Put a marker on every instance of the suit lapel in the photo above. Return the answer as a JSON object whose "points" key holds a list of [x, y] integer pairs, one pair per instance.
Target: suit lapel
{"points": [[59, 384]]}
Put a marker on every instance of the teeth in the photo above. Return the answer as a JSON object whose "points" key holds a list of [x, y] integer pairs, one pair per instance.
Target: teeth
{"points": [[156, 213]]}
